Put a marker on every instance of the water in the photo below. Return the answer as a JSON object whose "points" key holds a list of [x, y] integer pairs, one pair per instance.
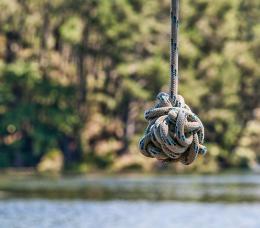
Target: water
{"points": [[124, 214], [130, 201], [209, 188]]}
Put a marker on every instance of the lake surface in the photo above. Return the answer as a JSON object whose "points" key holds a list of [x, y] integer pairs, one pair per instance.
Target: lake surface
{"points": [[130, 201], [126, 214], [206, 188]]}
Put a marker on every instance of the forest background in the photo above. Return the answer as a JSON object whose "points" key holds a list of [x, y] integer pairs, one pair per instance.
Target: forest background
{"points": [[77, 75]]}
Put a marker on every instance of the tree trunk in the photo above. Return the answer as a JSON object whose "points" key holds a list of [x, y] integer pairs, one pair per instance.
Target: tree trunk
{"points": [[44, 40], [12, 41], [129, 119]]}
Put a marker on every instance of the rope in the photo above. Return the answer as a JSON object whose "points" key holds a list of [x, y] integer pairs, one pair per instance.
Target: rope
{"points": [[174, 132], [174, 57]]}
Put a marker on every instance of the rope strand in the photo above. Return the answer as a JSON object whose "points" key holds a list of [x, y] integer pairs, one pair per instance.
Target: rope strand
{"points": [[174, 48]]}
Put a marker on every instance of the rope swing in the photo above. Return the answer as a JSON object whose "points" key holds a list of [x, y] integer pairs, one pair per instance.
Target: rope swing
{"points": [[174, 132]]}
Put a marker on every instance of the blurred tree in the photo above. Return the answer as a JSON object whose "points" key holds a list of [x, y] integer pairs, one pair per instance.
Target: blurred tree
{"points": [[77, 75], [36, 114]]}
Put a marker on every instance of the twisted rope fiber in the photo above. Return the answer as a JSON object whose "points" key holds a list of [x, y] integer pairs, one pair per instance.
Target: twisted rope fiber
{"points": [[174, 132]]}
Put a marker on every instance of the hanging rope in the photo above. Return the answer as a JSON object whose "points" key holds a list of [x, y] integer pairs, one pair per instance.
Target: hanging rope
{"points": [[174, 56], [174, 132]]}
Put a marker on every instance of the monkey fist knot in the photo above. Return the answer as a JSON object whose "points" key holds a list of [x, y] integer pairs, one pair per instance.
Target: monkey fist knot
{"points": [[174, 132]]}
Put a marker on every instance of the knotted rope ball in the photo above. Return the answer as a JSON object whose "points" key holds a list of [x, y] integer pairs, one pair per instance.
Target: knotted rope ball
{"points": [[174, 132]]}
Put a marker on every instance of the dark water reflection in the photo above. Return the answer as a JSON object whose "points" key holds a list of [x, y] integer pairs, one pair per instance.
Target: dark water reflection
{"points": [[209, 188]]}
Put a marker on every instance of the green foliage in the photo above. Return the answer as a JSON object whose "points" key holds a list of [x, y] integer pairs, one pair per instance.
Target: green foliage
{"points": [[71, 30], [77, 75], [36, 113]]}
